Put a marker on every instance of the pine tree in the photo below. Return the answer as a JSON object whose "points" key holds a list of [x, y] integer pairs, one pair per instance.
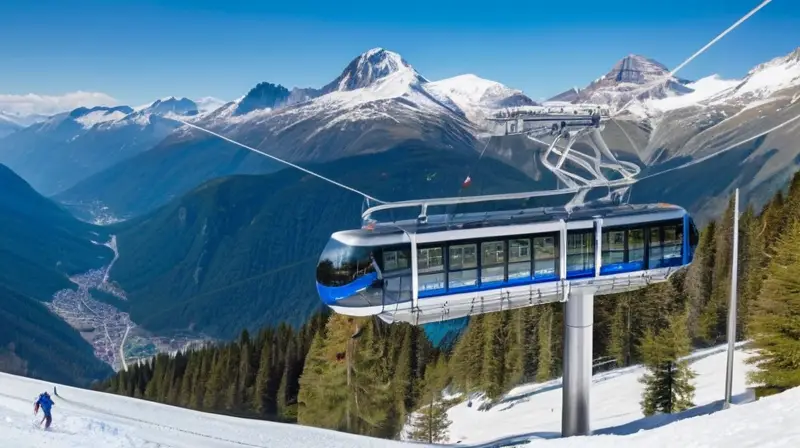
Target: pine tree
{"points": [[467, 360], [211, 399], [233, 397], [668, 381], [403, 375], [431, 423], [341, 387], [325, 399], [530, 351], [260, 397], [698, 280], [751, 272], [496, 330], [515, 347], [775, 323], [185, 394], [245, 370], [544, 370], [621, 341], [713, 319]]}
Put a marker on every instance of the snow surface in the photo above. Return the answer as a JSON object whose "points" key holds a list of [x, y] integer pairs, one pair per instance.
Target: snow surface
{"points": [[473, 95], [91, 419], [770, 77], [85, 418], [535, 409], [100, 116], [703, 89], [209, 104]]}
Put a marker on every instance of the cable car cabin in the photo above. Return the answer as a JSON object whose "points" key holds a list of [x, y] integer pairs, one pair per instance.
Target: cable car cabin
{"points": [[455, 266]]}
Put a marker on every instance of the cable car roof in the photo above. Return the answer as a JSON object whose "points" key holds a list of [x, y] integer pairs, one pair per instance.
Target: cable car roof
{"points": [[466, 221]]}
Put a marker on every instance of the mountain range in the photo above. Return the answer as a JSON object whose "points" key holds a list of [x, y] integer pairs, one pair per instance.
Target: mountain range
{"points": [[376, 103], [216, 237], [379, 100], [61, 150]]}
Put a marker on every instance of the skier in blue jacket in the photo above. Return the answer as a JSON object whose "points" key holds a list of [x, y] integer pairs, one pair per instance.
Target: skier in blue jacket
{"points": [[45, 403]]}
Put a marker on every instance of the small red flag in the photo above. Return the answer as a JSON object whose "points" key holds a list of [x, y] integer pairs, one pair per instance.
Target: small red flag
{"points": [[467, 182]]}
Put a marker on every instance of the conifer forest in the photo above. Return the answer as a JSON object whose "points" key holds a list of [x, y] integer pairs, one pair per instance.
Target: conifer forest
{"points": [[367, 377]]}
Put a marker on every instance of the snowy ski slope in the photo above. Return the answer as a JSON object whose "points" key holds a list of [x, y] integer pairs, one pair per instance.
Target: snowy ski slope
{"points": [[535, 409], [89, 419]]}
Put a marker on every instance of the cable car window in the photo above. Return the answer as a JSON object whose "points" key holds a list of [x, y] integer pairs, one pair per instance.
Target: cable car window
{"points": [[394, 260], [493, 262], [672, 241], [463, 256], [580, 251], [544, 253], [656, 251], [694, 235], [519, 258], [519, 250], [428, 282], [613, 246], [397, 290], [341, 264], [462, 264], [635, 245], [429, 259], [519, 270], [493, 253], [460, 279]]}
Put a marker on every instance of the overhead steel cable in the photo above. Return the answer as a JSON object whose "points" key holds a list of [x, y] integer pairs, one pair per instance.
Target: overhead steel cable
{"points": [[692, 57], [258, 151]]}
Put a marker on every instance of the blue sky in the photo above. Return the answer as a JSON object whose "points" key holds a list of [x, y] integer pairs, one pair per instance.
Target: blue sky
{"points": [[139, 51]]}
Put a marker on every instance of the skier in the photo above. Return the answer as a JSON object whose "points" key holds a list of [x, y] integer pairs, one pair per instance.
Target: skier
{"points": [[45, 403]]}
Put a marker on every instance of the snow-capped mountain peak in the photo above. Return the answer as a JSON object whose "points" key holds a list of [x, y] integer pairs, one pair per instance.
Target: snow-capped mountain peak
{"points": [[164, 106], [632, 77], [637, 69], [371, 67], [472, 88], [96, 115], [476, 96], [264, 96]]}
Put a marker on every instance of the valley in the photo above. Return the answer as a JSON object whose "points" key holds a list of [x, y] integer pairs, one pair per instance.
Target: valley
{"points": [[115, 338]]}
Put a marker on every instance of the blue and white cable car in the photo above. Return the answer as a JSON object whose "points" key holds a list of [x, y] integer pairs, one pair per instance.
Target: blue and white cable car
{"points": [[442, 267]]}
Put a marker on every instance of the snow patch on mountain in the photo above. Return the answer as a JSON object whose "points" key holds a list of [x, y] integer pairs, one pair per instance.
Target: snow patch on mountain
{"points": [[208, 104], [21, 120], [766, 79], [701, 90], [101, 115], [7, 126]]}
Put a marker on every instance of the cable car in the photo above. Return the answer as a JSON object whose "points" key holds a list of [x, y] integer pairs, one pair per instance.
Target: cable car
{"points": [[449, 266]]}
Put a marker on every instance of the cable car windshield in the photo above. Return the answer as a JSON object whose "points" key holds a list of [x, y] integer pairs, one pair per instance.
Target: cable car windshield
{"points": [[694, 235], [341, 264]]}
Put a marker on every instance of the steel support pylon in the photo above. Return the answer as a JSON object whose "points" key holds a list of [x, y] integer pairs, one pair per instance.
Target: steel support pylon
{"points": [[577, 380]]}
